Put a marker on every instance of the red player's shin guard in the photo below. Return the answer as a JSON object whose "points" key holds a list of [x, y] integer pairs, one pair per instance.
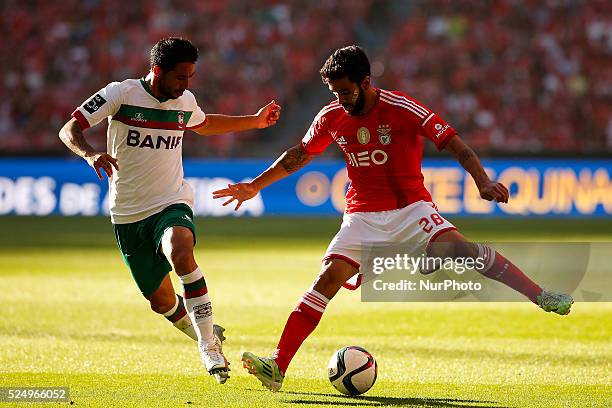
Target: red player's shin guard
{"points": [[302, 321], [498, 268]]}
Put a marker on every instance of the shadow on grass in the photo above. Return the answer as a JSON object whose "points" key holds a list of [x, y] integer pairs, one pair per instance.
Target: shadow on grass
{"points": [[374, 401]]}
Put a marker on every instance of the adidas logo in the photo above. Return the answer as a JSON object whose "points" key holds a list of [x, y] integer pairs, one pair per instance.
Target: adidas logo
{"points": [[341, 140]]}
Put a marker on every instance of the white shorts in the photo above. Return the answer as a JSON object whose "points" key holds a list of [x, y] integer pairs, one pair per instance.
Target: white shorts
{"points": [[410, 228]]}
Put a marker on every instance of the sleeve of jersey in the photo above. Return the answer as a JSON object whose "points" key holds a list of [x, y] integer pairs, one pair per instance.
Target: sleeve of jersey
{"points": [[104, 103], [197, 118], [316, 140], [437, 130]]}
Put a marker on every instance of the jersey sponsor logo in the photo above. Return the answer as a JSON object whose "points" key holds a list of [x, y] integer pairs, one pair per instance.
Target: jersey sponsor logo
{"points": [[365, 158], [441, 129], [94, 104], [143, 117], [135, 139], [341, 141], [384, 134], [363, 135]]}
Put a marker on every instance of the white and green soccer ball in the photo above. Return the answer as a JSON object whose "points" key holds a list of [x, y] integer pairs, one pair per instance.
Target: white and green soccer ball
{"points": [[352, 370]]}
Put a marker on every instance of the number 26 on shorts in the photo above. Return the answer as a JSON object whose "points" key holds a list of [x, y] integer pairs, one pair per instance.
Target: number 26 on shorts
{"points": [[426, 224]]}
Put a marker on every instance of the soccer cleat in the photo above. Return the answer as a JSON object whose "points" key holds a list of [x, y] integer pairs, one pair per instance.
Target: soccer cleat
{"points": [[559, 303], [213, 358], [265, 369], [218, 331]]}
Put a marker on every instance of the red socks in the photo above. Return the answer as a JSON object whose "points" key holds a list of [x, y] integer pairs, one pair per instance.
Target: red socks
{"points": [[307, 314], [302, 321], [498, 268]]}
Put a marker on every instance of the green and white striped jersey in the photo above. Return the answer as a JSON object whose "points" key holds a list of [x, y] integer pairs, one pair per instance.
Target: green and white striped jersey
{"points": [[144, 135]]}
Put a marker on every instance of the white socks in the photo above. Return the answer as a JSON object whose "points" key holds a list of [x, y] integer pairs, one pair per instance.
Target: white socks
{"points": [[180, 319], [198, 305]]}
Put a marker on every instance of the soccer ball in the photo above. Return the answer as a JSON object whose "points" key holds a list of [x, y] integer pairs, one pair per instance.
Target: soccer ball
{"points": [[352, 370]]}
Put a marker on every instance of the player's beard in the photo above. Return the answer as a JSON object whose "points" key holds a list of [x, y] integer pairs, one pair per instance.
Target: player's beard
{"points": [[167, 92], [356, 108]]}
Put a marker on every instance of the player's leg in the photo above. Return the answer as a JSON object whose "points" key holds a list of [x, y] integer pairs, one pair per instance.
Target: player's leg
{"points": [[171, 305], [177, 244], [499, 268], [301, 323], [308, 312], [150, 272], [140, 244]]}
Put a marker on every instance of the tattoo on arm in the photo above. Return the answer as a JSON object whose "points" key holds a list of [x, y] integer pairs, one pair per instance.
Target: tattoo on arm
{"points": [[470, 162], [465, 155], [294, 159]]}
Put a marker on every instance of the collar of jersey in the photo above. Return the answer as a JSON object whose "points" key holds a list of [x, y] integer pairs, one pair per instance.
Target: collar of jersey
{"points": [[147, 88]]}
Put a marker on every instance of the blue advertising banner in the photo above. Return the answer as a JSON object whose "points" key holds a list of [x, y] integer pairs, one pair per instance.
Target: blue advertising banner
{"points": [[538, 187]]}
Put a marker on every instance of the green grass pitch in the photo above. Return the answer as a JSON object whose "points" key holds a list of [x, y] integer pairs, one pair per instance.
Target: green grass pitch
{"points": [[71, 316]]}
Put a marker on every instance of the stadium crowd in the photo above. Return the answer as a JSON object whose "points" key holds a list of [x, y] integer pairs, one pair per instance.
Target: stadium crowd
{"points": [[532, 76]]}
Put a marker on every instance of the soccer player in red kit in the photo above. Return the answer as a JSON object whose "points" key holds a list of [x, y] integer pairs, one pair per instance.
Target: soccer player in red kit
{"points": [[380, 134]]}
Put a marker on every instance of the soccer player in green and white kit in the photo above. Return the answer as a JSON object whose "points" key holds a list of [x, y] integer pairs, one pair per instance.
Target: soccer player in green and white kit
{"points": [[150, 202]]}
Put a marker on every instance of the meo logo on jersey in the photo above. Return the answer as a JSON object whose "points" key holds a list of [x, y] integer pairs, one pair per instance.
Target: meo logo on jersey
{"points": [[364, 158], [94, 104]]}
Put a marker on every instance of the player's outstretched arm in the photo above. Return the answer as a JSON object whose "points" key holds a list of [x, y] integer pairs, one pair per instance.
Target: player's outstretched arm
{"points": [[216, 124], [289, 162], [72, 136], [489, 190]]}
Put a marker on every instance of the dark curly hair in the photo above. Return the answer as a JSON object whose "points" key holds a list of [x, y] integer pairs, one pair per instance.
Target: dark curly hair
{"points": [[171, 51], [349, 61]]}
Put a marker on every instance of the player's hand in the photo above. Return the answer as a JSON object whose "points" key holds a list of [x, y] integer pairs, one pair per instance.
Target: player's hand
{"points": [[268, 115], [239, 192], [493, 191], [102, 161]]}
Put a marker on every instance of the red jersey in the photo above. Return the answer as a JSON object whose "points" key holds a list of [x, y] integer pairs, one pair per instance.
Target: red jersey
{"points": [[383, 149]]}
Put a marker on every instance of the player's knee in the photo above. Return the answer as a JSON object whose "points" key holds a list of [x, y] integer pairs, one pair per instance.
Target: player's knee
{"points": [[161, 304], [182, 258], [331, 277], [451, 249], [177, 245]]}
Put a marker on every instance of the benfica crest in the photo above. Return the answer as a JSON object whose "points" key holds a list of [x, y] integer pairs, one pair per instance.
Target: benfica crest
{"points": [[384, 134]]}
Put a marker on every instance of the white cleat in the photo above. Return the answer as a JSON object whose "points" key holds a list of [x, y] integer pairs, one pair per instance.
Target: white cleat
{"points": [[213, 358]]}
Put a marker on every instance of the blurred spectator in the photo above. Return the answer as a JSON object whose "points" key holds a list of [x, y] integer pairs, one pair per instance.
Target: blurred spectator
{"points": [[510, 75], [526, 76], [59, 53]]}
